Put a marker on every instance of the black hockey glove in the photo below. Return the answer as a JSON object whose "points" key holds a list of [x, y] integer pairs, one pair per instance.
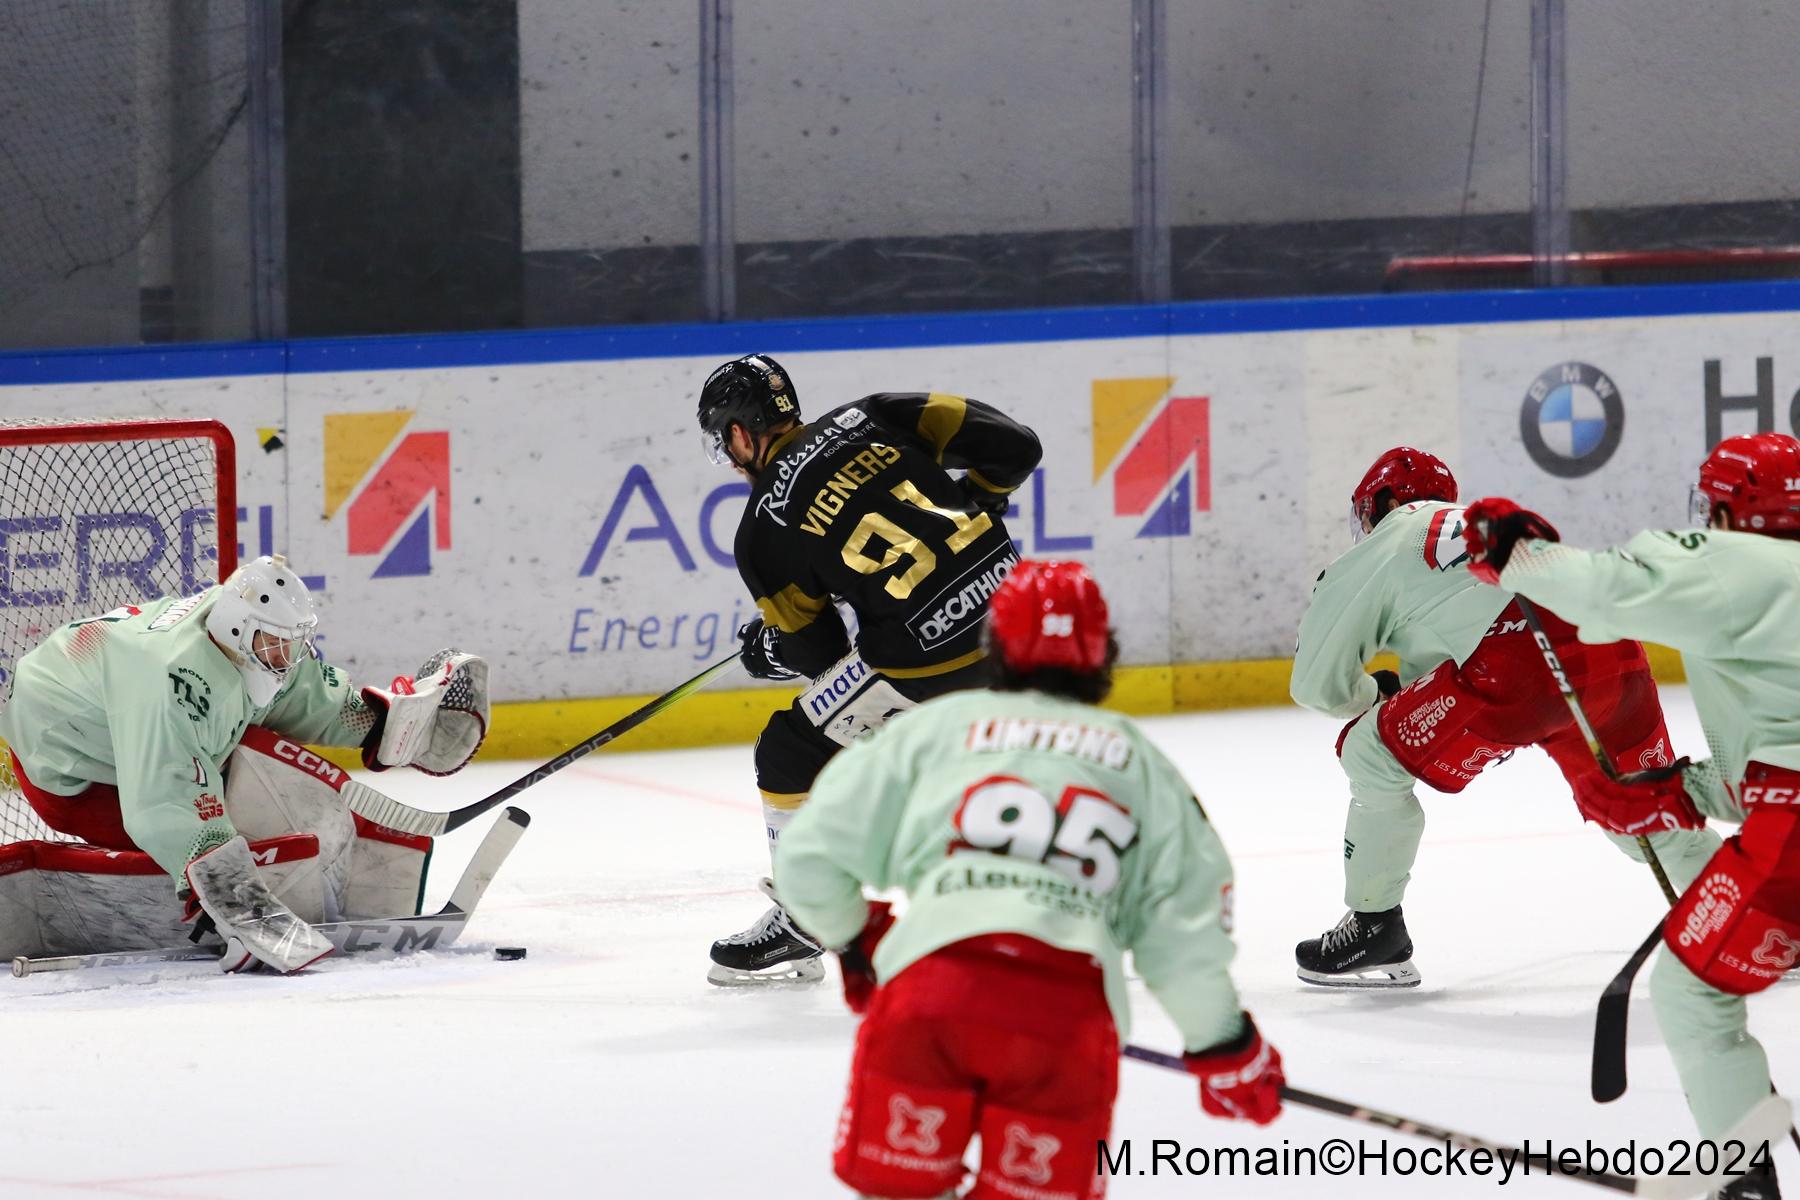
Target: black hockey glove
{"points": [[761, 652], [1386, 682], [986, 500]]}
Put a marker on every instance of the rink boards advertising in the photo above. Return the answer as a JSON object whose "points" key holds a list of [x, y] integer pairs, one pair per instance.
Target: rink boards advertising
{"points": [[544, 499]]}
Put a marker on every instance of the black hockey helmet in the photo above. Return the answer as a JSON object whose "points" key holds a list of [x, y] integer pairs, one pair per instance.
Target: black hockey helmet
{"points": [[754, 391]]}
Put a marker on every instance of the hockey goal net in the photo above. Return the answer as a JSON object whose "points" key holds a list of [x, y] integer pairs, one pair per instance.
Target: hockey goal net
{"points": [[95, 514]]}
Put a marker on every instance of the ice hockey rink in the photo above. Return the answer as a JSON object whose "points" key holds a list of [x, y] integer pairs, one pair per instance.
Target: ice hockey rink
{"points": [[605, 1065]]}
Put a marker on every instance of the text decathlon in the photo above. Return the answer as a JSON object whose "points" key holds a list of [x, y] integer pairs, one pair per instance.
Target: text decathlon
{"points": [[965, 603]]}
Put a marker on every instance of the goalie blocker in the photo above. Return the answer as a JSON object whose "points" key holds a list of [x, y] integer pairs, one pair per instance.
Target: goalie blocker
{"points": [[318, 860]]}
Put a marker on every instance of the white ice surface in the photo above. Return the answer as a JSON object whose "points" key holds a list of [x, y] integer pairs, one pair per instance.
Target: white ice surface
{"points": [[605, 1065]]}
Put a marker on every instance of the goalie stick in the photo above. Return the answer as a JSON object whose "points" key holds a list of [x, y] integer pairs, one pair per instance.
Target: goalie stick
{"points": [[384, 810], [1761, 1126], [395, 935]]}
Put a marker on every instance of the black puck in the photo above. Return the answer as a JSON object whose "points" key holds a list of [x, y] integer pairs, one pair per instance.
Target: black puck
{"points": [[509, 953]]}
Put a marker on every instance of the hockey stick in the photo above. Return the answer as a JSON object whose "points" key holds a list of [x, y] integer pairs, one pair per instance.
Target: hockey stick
{"points": [[396, 935], [1759, 1127], [385, 810], [1608, 1082], [1587, 731], [1610, 1018]]}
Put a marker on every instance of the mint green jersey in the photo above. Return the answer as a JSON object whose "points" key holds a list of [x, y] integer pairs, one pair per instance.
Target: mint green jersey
{"points": [[1402, 589], [142, 698], [1020, 812], [1730, 602]]}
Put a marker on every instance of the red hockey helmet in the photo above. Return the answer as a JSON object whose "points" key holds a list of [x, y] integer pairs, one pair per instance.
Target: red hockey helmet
{"points": [[1756, 477], [1405, 475], [1049, 614]]}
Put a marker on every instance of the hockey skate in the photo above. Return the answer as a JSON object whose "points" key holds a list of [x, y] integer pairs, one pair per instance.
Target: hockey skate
{"points": [[1759, 1184], [1364, 950], [774, 950]]}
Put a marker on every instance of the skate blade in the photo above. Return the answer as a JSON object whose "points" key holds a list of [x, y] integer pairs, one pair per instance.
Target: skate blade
{"points": [[1387, 975], [792, 974]]}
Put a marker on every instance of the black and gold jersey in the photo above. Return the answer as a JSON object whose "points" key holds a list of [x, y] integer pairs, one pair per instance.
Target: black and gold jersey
{"points": [[859, 507]]}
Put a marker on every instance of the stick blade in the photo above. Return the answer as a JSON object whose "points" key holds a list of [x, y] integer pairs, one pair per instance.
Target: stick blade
{"points": [[495, 846], [1610, 1017]]}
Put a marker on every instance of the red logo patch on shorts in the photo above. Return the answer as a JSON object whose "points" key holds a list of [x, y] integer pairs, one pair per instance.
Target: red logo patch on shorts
{"points": [[209, 807]]}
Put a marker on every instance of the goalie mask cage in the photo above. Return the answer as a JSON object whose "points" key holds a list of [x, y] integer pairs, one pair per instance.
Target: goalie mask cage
{"points": [[95, 514]]}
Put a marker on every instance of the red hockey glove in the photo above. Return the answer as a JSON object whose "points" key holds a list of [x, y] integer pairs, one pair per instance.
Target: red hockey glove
{"points": [[1639, 802], [857, 960], [1491, 527], [1241, 1078]]}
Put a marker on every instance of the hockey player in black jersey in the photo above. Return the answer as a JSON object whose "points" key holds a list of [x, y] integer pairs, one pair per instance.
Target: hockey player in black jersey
{"points": [[858, 508]]}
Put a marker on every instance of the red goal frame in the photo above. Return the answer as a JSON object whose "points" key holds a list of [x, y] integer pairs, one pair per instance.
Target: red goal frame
{"points": [[139, 429]]}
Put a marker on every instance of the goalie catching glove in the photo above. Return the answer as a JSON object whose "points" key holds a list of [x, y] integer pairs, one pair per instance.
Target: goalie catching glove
{"points": [[433, 721]]}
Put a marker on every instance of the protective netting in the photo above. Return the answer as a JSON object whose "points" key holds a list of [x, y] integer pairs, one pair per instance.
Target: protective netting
{"points": [[108, 108], [126, 513]]}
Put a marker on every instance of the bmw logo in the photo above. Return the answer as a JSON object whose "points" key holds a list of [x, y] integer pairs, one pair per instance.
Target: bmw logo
{"points": [[1572, 419]]}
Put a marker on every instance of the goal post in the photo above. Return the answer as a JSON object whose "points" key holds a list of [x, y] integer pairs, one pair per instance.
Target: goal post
{"points": [[99, 513]]}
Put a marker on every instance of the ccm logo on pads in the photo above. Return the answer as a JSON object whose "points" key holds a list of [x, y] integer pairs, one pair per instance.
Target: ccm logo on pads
{"points": [[1764, 793], [307, 761]]}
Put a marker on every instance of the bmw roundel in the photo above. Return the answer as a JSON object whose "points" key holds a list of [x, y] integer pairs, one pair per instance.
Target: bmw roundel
{"points": [[1572, 419]]}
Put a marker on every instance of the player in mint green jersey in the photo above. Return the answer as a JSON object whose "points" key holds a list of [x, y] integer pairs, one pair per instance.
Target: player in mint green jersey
{"points": [[120, 726], [1727, 596], [1471, 689], [1038, 839]]}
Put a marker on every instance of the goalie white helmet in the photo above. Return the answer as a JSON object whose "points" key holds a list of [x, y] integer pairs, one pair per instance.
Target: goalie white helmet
{"points": [[263, 620]]}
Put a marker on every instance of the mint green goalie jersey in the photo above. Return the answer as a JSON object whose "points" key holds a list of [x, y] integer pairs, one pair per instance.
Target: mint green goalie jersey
{"points": [[1403, 589], [143, 699], [1020, 812], [1730, 602]]}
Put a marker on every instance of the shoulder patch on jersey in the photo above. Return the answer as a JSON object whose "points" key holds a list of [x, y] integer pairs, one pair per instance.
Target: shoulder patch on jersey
{"points": [[850, 418], [178, 611], [815, 440]]}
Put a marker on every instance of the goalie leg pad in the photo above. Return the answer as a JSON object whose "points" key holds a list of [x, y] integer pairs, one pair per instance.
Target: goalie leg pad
{"points": [[1737, 927], [255, 924], [58, 898], [275, 786], [387, 872]]}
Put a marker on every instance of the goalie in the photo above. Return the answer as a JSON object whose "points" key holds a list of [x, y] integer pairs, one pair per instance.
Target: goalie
{"points": [[169, 738]]}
